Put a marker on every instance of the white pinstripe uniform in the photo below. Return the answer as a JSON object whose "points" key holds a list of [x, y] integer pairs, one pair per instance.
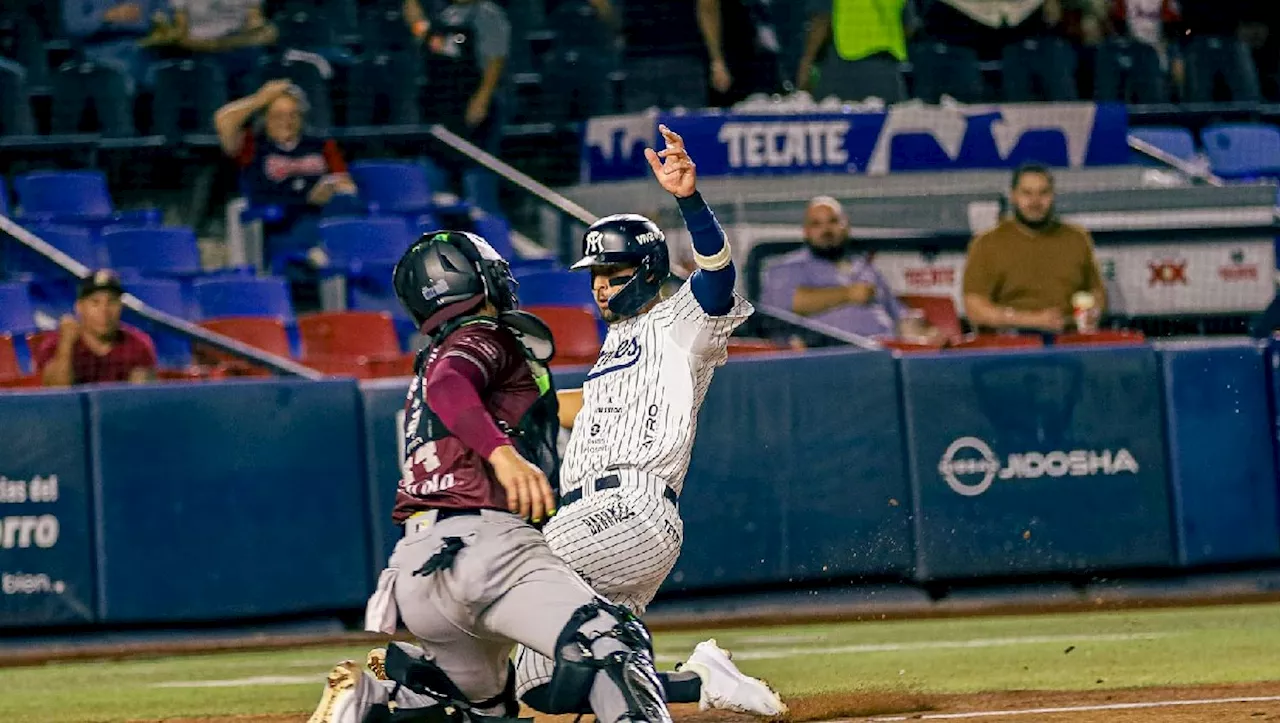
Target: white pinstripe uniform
{"points": [[638, 420]]}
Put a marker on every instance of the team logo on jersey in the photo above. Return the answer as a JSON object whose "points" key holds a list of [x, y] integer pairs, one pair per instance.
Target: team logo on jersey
{"points": [[626, 354]]}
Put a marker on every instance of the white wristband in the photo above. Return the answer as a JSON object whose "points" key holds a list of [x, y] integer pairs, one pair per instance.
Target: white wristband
{"points": [[716, 261]]}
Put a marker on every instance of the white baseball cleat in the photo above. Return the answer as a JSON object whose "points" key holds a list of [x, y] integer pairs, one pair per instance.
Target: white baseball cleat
{"points": [[339, 694], [724, 686]]}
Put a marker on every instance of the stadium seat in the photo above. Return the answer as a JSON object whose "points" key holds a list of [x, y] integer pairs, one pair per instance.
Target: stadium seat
{"points": [[187, 93], [80, 86], [378, 92], [497, 232], [172, 349], [159, 251], [243, 296], [1045, 64], [1102, 336], [354, 242], [743, 346], [575, 332], [1241, 150], [11, 372], [17, 317], [555, 288], [73, 197], [393, 187], [1213, 59], [76, 242], [349, 334], [939, 69], [999, 341], [1128, 71], [15, 101], [265, 333], [1174, 140], [939, 312], [910, 347]]}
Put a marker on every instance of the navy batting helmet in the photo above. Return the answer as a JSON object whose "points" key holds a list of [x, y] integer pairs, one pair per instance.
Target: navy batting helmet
{"points": [[450, 273], [628, 239]]}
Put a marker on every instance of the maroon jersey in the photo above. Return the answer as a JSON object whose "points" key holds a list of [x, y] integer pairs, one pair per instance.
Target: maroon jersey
{"points": [[439, 470], [132, 349]]}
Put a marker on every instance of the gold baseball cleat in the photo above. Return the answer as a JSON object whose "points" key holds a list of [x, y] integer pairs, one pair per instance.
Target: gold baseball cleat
{"points": [[337, 687], [377, 663]]}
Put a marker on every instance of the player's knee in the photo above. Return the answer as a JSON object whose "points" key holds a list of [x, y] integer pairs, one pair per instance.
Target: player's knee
{"points": [[602, 637]]}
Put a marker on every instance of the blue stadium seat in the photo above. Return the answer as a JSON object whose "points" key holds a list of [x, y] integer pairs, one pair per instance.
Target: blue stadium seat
{"points": [[160, 251], [243, 296], [371, 291], [78, 86], [555, 288], [394, 187], [1242, 150], [354, 242], [1174, 140], [76, 242], [17, 316], [173, 350], [77, 197]]}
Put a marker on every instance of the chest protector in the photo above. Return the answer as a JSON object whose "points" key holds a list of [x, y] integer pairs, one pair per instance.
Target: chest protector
{"points": [[534, 435]]}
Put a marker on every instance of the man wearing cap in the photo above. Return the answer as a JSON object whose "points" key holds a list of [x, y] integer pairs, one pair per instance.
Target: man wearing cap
{"points": [[93, 346]]}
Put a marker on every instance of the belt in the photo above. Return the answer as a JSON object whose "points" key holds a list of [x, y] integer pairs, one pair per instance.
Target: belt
{"points": [[610, 482], [416, 521]]}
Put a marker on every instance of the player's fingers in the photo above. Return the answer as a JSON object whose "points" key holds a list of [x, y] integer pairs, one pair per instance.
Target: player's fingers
{"points": [[652, 157], [537, 500], [673, 153], [670, 136], [548, 497]]}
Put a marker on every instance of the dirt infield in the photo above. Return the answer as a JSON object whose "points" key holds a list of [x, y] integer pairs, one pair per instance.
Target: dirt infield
{"points": [[1147, 705]]}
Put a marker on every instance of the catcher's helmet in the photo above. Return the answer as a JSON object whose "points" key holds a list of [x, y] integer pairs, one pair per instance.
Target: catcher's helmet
{"points": [[450, 273], [628, 239]]}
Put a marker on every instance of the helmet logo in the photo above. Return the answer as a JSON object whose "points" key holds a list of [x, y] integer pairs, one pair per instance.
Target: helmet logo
{"points": [[434, 290], [595, 243]]}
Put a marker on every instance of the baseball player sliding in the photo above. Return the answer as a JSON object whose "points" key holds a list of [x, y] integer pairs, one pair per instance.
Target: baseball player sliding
{"points": [[471, 577], [634, 421]]}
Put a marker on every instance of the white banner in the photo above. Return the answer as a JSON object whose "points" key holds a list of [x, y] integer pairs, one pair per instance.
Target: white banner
{"points": [[1188, 277]]}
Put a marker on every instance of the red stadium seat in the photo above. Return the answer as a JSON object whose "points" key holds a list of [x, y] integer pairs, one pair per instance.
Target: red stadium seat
{"points": [[389, 367], [263, 332], [999, 341], [349, 334], [1102, 336], [740, 346], [910, 347], [940, 312], [575, 332], [11, 375]]}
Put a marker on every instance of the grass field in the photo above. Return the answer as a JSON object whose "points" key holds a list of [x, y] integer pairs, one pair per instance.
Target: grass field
{"points": [[1073, 652]]}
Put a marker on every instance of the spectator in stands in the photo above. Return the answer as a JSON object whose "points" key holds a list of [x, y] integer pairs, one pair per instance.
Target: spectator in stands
{"points": [[663, 54], [987, 26], [93, 346], [1154, 22], [468, 42], [831, 281], [742, 46], [1022, 273], [232, 33], [283, 165], [108, 32], [869, 43]]}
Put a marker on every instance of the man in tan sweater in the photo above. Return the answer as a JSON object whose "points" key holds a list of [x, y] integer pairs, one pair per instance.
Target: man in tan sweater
{"points": [[1022, 273]]}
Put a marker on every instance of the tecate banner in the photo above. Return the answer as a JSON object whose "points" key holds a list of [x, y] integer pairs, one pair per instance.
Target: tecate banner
{"points": [[905, 137]]}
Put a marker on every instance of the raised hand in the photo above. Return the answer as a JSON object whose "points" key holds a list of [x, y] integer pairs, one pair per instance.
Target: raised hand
{"points": [[672, 166]]}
